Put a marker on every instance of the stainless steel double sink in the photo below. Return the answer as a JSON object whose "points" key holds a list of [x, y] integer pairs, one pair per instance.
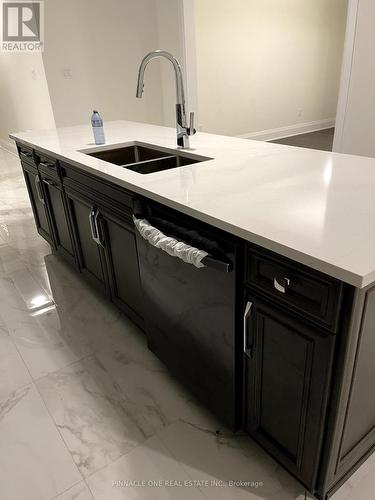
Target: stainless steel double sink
{"points": [[144, 158]]}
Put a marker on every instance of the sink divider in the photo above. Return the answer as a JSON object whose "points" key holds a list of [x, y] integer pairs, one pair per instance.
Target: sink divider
{"points": [[154, 164]]}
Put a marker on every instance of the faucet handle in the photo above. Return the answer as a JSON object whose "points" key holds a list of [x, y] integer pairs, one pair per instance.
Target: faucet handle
{"points": [[191, 129]]}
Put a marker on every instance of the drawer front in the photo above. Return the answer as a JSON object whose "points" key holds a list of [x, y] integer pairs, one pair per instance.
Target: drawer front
{"points": [[50, 179], [26, 154], [48, 165], [315, 296], [98, 189]]}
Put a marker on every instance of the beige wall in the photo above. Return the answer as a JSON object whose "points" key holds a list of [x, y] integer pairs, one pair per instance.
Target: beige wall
{"points": [[92, 53], [355, 133], [169, 38], [101, 44], [24, 97], [267, 64]]}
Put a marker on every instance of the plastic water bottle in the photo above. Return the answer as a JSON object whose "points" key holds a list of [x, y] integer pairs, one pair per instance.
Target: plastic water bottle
{"points": [[97, 127]]}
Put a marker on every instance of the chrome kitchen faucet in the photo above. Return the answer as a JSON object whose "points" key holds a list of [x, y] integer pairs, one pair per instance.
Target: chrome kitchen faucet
{"points": [[183, 131]]}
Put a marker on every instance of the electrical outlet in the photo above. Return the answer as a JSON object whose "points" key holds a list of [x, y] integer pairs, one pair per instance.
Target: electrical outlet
{"points": [[34, 74], [67, 73]]}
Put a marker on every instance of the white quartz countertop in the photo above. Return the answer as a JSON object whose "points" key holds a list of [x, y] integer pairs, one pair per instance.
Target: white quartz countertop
{"points": [[314, 207]]}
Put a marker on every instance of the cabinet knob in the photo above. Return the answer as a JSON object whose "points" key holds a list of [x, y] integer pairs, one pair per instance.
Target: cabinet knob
{"points": [[281, 284]]}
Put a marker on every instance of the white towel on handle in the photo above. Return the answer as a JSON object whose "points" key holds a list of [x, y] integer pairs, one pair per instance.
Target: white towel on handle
{"points": [[171, 246]]}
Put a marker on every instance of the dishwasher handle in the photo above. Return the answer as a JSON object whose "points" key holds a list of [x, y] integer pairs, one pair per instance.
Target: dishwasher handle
{"points": [[179, 249], [218, 264]]}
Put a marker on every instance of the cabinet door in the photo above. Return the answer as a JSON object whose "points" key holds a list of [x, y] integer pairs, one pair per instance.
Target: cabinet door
{"points": [[90, 253], [38, 204], [122, 262], [287, 375], [59, 218]]}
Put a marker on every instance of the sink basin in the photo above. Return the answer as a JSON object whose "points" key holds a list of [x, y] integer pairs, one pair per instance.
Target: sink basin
{"points": [[144, 158], [125, 155]]}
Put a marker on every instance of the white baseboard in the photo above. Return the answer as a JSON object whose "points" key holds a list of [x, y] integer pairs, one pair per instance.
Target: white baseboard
{"points": [[289, 130], [9, 146]]}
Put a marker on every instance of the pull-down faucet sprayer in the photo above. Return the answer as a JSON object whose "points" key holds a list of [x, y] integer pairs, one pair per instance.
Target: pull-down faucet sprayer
{"points": [[183, 130]]}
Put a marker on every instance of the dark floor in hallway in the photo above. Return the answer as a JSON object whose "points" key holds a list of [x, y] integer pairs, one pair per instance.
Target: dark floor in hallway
{"points": [[322, 139]]}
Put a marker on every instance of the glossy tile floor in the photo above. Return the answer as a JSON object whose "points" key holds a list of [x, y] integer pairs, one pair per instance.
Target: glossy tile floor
{"points": [[87, 412]]}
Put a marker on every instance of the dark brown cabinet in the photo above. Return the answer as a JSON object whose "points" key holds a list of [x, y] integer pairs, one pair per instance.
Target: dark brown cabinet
{"points": [[107, 251], [118, 239], [90, 253], [57, 210], [38, 202], [287, 374]]}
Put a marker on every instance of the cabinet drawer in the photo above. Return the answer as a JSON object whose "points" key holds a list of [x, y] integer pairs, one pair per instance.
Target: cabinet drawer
{"points": [[26, 154], [47, 165], [101, 191], [313, 295], [49, 179]]}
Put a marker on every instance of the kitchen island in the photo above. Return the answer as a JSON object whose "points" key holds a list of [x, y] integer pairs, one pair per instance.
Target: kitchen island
{"points": [[294, 358]]}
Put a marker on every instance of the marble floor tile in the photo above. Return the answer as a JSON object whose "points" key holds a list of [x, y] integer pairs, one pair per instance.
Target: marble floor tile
{"points": [[34, 461], [17, 229], [154, 398], [37, 338], [89, 322], [219, 459], [13, 193], [344, 493], [93, 417], [13, 372], [364, 473], [361, 485], [28, 257], [10, 260], [39, 272], [29, 290], [79, 491], [152, 463]]}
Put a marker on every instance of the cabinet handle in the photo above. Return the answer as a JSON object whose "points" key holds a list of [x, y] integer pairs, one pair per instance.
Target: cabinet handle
{"points": [[47, 165], [98, 232], [95, 233], [26, 155], [247, 349], [39, 190], [93, 226], [49, 182], [281, 284]]}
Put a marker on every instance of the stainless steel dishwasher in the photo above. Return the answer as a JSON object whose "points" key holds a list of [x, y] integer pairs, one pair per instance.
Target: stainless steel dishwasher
{"points": [[189, 312]]}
